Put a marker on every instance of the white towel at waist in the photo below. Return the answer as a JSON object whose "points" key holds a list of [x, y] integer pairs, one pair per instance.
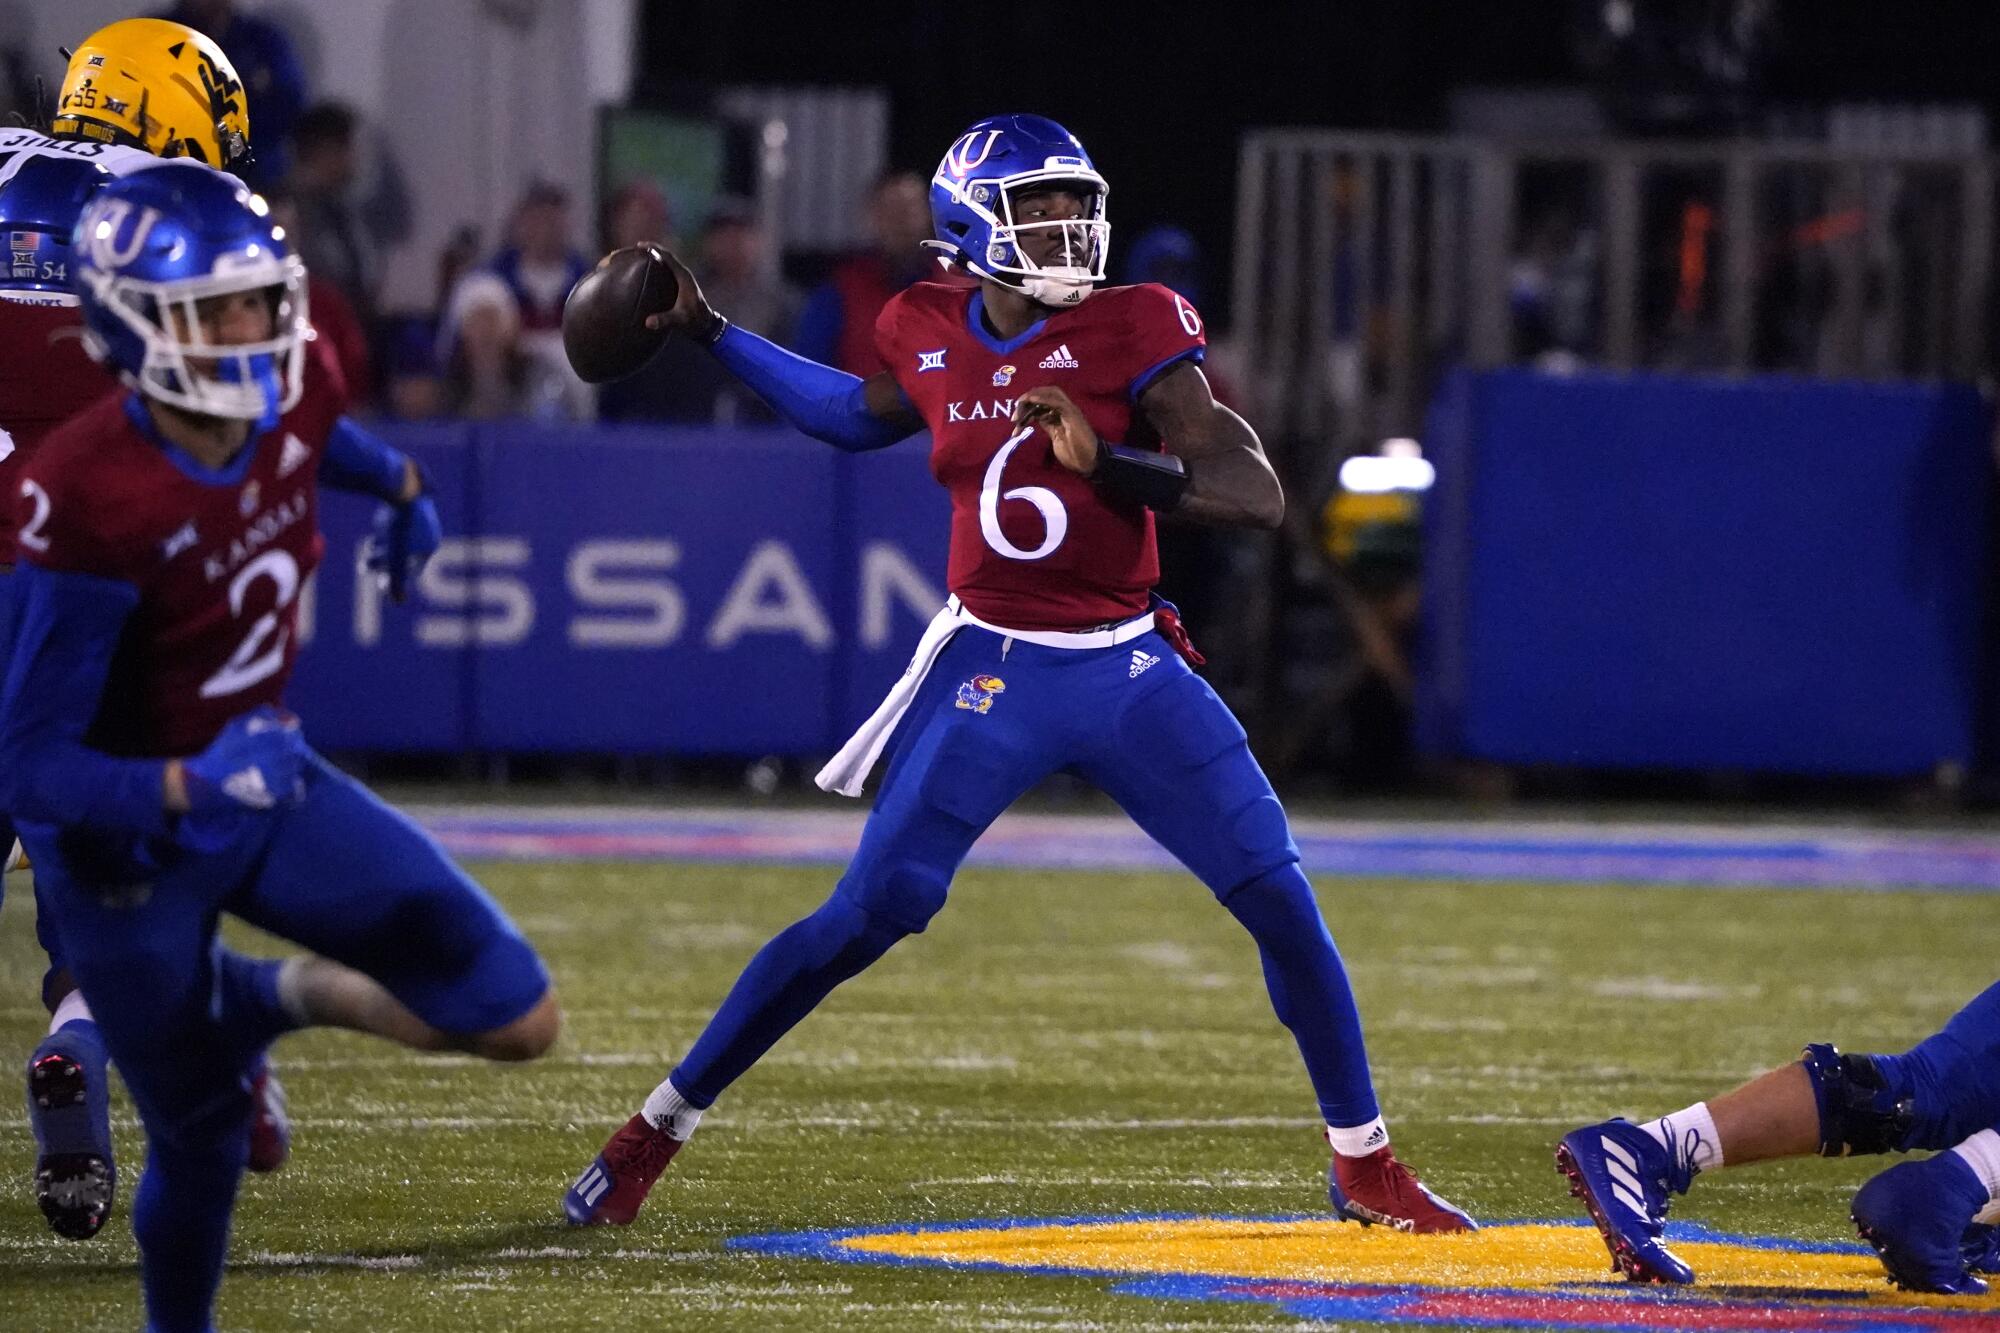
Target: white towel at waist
{"points": [[847, 771]]}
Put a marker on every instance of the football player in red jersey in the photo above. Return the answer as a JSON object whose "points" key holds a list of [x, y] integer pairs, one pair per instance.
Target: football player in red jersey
{"points": [[165, 536], [135, 92], [1062, 418]]}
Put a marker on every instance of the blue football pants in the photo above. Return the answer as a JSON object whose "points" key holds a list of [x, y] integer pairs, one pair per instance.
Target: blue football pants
{"points": [[44, 932], [187, 1021], [1953, 1075], [1134, 721]]}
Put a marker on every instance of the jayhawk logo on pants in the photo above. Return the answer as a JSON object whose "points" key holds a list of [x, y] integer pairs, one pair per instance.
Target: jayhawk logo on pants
{"points": [[977, 694]]}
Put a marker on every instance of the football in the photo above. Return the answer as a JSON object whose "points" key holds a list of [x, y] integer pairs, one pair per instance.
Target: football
{"points": [[604, 317]]}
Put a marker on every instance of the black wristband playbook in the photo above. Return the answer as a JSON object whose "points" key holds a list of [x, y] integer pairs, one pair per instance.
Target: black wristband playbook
{"points": [[1157, 481]]}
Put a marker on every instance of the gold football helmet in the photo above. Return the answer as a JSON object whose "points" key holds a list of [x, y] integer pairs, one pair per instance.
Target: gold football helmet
{"points": [[159, 86]]}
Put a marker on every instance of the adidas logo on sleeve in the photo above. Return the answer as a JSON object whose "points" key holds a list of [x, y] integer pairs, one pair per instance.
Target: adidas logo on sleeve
{"points": [[1060, 359]]}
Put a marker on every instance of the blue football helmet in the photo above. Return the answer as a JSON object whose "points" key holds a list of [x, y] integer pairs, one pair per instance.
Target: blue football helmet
{"points": [[972, 207], [39, 204], [149, 249]]}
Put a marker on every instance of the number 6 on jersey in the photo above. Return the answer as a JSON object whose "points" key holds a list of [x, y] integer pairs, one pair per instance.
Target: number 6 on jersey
{"points": [[1047, 503]]}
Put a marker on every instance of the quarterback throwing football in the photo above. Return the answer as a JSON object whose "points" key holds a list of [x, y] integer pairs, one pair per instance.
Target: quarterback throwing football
{"points": [[1063, 417]]}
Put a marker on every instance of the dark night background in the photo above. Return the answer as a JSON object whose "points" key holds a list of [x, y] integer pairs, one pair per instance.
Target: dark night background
{"points": [[1160, 92]]}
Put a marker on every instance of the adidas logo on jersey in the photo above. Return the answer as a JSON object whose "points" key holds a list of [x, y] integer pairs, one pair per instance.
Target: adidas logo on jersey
{"points": [[1060, 359], [1142, 660], [295, 455]]}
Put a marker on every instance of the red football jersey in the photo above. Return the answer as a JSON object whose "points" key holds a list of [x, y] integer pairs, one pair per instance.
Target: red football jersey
{"points": [[219, 558], [45, 379], [1034, 545]]}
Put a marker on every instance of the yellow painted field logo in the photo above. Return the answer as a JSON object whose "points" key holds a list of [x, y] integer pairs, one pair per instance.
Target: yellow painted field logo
{"points": [[1550, 1274]]}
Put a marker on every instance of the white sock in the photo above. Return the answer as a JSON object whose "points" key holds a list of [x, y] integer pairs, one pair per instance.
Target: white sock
{"points": [[290, 996], [1981, 1152], [1358, 1140], [71, 1009], [1689, 1136], [667, 1110]]}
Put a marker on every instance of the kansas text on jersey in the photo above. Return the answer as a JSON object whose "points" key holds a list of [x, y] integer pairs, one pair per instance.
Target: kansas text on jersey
{"points": [[1034, 545]]}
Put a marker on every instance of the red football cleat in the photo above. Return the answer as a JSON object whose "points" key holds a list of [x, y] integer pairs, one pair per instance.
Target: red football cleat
{"points": [[611, 1189], [270, 1125], [1376, 1189]]}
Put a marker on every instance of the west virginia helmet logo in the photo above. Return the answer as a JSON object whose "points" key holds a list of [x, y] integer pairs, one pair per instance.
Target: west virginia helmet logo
{"points": [[976, 695]]}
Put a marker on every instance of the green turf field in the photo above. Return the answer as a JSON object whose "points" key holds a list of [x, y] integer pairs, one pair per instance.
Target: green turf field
{"points": [[1057, 1044]]}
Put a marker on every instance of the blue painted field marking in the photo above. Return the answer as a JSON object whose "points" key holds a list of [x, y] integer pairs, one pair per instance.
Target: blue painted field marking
{"points": [[1662, 855]]}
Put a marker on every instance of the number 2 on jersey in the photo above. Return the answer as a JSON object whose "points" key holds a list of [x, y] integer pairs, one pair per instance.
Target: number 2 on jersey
{"points": [[253, 661], [1055, 519]]}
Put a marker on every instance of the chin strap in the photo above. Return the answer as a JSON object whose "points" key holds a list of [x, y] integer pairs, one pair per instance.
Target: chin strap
{"points": [[954, 259]]}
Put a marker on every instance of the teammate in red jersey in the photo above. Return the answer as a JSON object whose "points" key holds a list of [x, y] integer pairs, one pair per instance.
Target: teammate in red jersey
{"points": [[166, 535], [1062, 418], [135, 92]]}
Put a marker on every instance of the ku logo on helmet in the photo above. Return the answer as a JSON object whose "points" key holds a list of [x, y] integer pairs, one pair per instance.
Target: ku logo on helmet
{"points": [[114, 233], [960, 160]]}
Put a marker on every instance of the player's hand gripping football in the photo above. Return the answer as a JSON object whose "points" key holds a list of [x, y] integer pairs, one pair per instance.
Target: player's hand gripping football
{"points": [[690, 314], [1076, 444]]}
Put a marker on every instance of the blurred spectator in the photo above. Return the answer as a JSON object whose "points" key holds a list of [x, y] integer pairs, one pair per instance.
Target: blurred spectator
{"points": [[333, 317], [269, 67], [490, 371], [460, 254], [538, 267], [337, 244], [1168, 255], [736, 273], [18, 85], [837, 327], [684, 383], [416, 387], [1552, 289], [638, 212], [540, 262]]}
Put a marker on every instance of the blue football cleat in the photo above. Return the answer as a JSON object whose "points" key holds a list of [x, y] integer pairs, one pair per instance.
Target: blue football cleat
{"points": [[1916, 1216], [1980, 1247], [1624, 1176], [69, 1106]]}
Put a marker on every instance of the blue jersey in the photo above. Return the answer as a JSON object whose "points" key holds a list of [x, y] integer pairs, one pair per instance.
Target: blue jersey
{"points": [[45, 375], [44, 184]]}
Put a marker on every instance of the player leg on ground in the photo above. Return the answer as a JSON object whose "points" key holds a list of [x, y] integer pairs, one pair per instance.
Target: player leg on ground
{"points": [[69, 1105], [950, 774], [188, 1021], [1170, 752], [1939, 1094], [75, 1179]]}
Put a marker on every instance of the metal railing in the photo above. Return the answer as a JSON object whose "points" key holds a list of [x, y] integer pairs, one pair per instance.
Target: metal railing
{"points": [[1366, 262]]}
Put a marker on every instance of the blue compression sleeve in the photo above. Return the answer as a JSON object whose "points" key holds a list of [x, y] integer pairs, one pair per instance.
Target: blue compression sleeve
{"points": [[825, 403], [356, 460], [65, 636]]}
